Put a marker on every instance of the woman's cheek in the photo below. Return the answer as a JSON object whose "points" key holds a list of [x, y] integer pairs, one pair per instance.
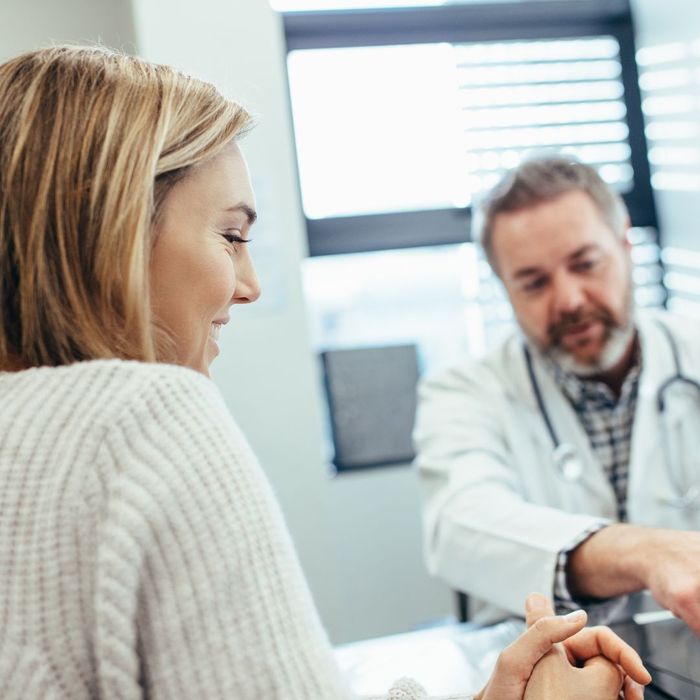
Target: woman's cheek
{"points": [[223, 279]]}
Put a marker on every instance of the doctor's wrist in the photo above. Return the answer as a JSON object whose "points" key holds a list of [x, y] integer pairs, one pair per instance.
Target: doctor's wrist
{"points": [[618, 559], [652, 548]]}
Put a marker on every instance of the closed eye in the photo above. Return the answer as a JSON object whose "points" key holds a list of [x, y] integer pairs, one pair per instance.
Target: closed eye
{"points": [[235, 238]]}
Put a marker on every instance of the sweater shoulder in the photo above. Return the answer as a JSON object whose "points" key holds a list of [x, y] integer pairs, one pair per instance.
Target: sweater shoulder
{"points": [[76, 407], [170, 418], [114, 383]]}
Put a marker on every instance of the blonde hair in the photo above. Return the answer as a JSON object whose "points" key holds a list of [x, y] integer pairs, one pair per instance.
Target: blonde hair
{"points": [[91, 141]]}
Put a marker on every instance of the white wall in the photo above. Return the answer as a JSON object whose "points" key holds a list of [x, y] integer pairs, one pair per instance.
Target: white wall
{"points": [[31, 24], [676, 23]]}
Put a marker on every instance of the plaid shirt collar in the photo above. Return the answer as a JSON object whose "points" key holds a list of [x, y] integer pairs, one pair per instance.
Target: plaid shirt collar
{"points": [[592, 394]]}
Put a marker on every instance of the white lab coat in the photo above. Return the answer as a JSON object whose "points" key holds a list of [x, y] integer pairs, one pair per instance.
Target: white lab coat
{"points": [[496, 510]]}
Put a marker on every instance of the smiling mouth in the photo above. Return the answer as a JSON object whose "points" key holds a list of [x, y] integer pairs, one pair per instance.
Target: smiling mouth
{"points": [[215, 331]]}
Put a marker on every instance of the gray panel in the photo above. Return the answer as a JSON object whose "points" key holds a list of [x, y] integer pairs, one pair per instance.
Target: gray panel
{"points": [[372, 400]]}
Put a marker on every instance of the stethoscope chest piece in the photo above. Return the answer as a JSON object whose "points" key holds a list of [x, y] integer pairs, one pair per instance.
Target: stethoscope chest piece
{"points": [[566, 462]]}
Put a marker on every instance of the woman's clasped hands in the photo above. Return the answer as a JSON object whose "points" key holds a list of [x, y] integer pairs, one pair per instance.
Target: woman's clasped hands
{"points": [[558, 659]]}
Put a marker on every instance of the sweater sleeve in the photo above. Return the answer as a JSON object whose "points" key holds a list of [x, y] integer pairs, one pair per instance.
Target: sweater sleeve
{"points": [[199, 592]]}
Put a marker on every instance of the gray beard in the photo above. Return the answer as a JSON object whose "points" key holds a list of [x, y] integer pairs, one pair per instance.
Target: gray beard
{"points": [[614, 350], [616, 345]]}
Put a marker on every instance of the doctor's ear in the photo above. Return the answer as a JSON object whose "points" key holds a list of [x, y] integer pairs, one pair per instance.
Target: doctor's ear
{"points": [[626, 237]]}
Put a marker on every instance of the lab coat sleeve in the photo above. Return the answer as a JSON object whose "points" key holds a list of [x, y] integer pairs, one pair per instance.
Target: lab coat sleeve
{"points": [[481, 534]]}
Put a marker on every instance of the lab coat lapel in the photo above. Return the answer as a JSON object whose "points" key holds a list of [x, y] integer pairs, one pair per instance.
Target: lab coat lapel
{"points": [[657, 367]]}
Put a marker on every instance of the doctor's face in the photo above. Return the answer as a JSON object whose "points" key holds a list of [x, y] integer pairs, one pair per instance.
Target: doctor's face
{"points": [[200, 264], [568, 276]]}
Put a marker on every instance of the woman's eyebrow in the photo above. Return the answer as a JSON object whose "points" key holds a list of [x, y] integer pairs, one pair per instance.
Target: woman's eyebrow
{"points": [[247, 210]]}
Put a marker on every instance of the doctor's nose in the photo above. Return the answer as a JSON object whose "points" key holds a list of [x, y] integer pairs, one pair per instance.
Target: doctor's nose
{"points": [[568, 295]]}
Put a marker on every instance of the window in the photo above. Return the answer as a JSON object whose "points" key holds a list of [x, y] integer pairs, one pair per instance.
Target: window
{"points": [[403, 116], [306, 5], [670, 82], [670, 76]]}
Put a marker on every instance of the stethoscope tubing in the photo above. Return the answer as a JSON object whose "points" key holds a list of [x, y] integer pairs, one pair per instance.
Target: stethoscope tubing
{"points": [[539, 398]]}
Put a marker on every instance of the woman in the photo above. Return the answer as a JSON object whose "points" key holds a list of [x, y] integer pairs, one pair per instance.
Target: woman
{"points": [[142, 552]]}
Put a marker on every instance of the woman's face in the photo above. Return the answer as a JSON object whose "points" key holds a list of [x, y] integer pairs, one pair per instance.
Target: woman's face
{"points": [[200, 264]]}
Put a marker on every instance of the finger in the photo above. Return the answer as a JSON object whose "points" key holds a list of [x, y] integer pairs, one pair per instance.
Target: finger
{"points": [[602, 641], [537, 606], [522, 655], [632, 690], [608, 674]]}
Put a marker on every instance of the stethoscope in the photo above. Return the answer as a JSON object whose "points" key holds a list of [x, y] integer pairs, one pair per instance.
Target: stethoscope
{"points": [[565, 458]]}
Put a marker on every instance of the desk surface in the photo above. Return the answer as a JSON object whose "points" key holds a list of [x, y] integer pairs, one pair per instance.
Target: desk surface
{"points": [[459, 658]]}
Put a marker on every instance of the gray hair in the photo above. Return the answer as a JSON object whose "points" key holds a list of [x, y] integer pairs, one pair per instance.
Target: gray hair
{"points": [[542, 179]]}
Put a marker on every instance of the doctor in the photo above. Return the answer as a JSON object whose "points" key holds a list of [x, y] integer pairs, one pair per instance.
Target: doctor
{"points": [[572, 451]]}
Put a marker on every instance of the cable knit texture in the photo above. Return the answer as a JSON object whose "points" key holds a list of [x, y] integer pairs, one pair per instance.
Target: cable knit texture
{"points": [[142, 553]]}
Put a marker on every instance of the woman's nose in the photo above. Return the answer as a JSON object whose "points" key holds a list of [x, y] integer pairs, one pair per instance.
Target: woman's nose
{"points": [[247, 286]]}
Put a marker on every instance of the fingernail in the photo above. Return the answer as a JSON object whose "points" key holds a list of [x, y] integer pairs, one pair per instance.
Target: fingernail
{"points": [[575, 616], [535, 601]]}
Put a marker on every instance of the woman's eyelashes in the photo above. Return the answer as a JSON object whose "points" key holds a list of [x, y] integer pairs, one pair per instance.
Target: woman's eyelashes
{"points": [[234, 237]]}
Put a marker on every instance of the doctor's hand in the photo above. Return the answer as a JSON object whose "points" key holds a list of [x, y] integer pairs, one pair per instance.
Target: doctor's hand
{"points": [[672, 573], [544, 662], [624, 558]]}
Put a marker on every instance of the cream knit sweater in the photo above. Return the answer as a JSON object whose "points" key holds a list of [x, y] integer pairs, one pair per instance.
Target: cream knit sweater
{"points": [[142, 553]]}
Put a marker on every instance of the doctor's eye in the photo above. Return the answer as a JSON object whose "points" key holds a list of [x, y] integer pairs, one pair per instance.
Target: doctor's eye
{"points": [[535, 284]]}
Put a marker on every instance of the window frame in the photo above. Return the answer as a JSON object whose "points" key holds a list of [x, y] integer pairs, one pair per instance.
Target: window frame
{"points": [[499, 21]]}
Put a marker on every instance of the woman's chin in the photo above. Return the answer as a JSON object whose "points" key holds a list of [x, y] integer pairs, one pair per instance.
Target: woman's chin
{"points": [[213, 349]]}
